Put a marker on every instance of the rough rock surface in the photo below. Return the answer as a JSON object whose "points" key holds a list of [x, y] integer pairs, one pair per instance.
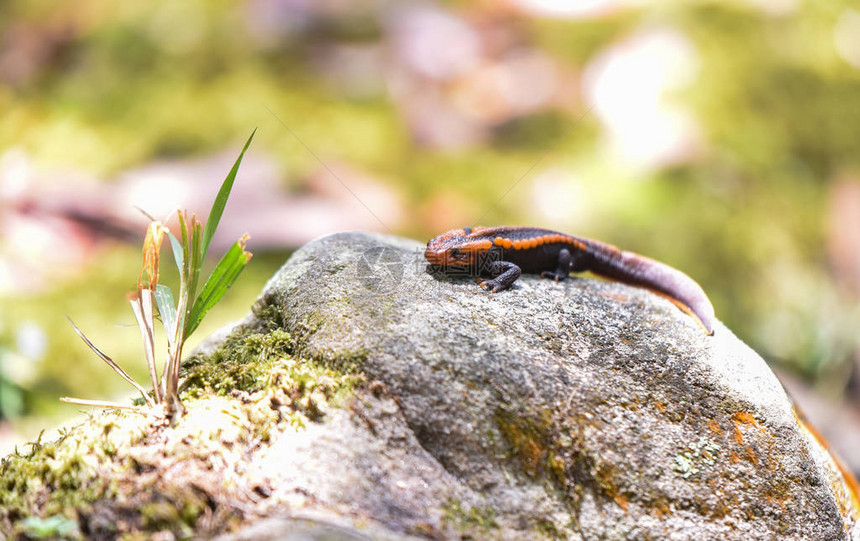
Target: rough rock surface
{"points": [[582, 409]]}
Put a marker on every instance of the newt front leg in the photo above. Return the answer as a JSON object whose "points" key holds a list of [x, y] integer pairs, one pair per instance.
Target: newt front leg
{"points": [[505, 273]]}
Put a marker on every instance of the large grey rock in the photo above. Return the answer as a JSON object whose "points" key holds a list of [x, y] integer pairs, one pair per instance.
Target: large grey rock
{"points": [[582, 409]]}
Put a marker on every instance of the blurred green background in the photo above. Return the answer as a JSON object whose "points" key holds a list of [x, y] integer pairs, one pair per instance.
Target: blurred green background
{"points": [[720, 137]]}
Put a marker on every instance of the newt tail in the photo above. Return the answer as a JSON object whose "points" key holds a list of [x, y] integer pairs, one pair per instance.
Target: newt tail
{"points": [[503, 253]]}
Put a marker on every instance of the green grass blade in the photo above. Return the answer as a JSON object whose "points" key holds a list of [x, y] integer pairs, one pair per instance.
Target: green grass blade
{"points": [[194, 267], [221, 200], [167, 310], [223, 276]]}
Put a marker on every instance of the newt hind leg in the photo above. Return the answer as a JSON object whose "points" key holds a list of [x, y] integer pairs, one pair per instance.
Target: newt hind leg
{"points": [[562, 269]]}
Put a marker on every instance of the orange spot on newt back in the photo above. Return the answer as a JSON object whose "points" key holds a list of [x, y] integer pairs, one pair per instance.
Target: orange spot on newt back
{"points": [[499, 241], [518, 244]]}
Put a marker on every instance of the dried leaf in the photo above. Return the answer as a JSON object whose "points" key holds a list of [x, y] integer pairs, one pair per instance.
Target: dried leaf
{"points": [[97, 403], [110, 362], [151, 251]]}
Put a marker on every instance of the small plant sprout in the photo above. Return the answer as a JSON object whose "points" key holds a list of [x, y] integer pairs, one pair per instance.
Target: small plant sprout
{"points": [[179, 316]]}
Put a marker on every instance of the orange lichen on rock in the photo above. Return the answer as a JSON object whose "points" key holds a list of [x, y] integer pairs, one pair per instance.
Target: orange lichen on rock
{"points": [[751, 455], [715, 426], [842, 481], [740, 419], [744, 417]]}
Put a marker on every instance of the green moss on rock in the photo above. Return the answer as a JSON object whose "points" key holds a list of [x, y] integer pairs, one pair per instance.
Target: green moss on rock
{"points": [[134, 465], [472, 520], [63, 476]]}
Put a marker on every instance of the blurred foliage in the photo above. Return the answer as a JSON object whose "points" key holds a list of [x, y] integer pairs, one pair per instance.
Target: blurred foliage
{"points": [[112, 86]]}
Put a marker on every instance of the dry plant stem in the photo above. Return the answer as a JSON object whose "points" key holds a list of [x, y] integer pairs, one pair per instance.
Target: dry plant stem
{"points": [[98, 403], [167, 382], [171, 390], [170, 377], [190, 231], [110, 362], [142, 307]]}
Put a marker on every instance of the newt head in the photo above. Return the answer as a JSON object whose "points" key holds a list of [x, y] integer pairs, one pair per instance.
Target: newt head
{"points": [[457, 248]]}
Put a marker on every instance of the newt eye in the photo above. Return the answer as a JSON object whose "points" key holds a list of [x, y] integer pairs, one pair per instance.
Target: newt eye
{"points": [[455, 252]]}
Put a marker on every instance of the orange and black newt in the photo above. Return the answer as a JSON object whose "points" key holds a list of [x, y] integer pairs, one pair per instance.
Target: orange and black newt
{"points": [[503, 253]]}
